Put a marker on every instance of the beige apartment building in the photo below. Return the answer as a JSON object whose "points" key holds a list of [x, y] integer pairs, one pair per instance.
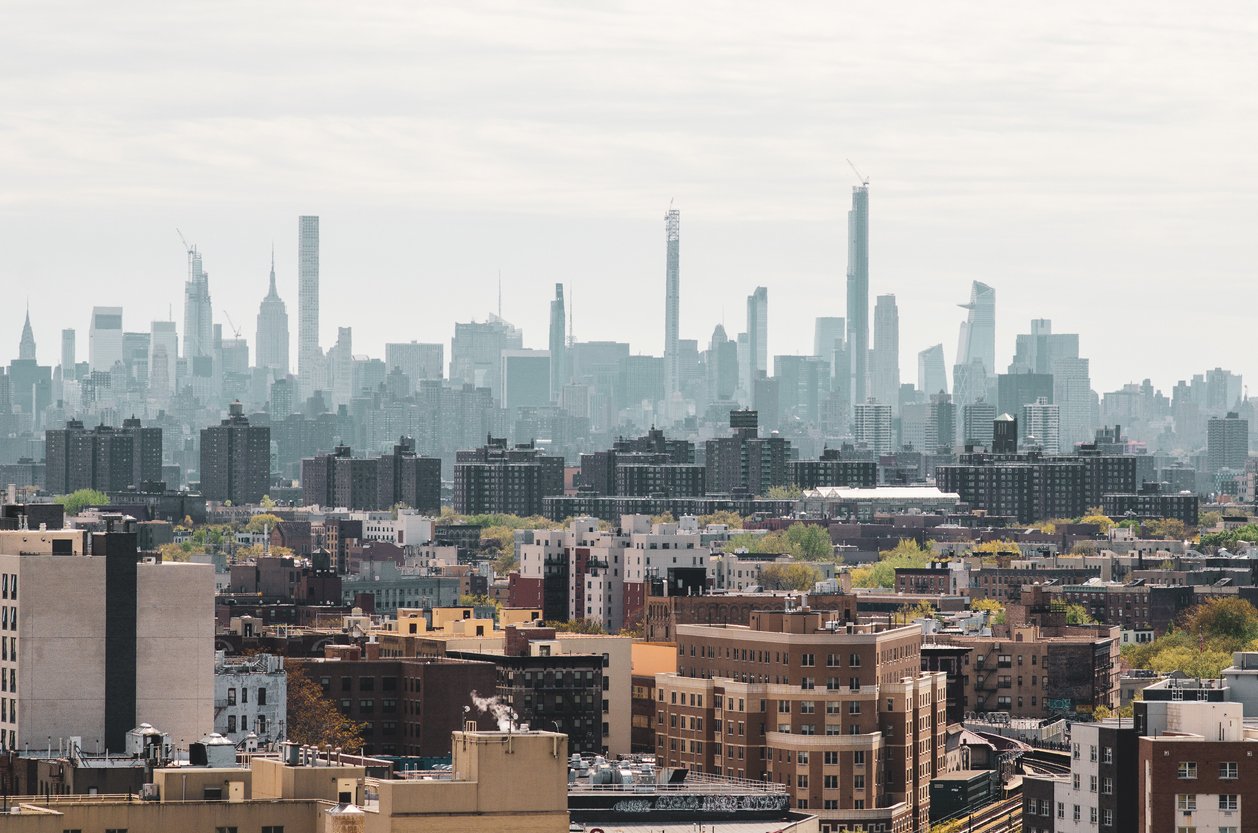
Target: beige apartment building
{"points": [[840, 713], [94, 640], [498, 782]]}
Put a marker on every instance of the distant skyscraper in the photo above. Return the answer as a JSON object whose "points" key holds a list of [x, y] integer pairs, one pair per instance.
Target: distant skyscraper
{"points": [[1042, 425], [977, 424], [1227, 443], [978, 331], [198, 317], [526, 378], [974, 374], [858, 290], [758, 331], [104, 340], [476, 352], [417, 361], [26, 347], [885, 371], [1072, 393], [273, 330], [341, 367], [722, 366], [309, 353], [672, 300], [1036, 351], [871, 426], [558, 345], [931, 376], [68, 354], [829, 335], [163, 357]]}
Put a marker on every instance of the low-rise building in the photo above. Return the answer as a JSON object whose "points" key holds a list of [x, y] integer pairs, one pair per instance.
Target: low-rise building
{"points": [[250, 698]]}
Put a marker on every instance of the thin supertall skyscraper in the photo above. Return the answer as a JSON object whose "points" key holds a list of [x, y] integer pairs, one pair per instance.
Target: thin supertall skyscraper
{"points": [[309, 354], [858, 290], [558, 345], [198, 319], [758, 333], [672, 299]]}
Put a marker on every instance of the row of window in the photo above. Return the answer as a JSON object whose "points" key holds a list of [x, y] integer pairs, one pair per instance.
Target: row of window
{"points": [[1187, 770], [1187, 802], [8, 586], [244, 695]]}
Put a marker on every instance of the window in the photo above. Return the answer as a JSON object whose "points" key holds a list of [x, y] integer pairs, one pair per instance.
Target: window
{"points": [[1092, 814], [1229, 802], [1107, 786], [225, 830], [831, 782], [1091, 783], [1061, 810], [1187, 770], [261, 696], [801, 781], [231, 696], [808, 660], [1107, 754], [1075, 780], [858, 757], [1076, 812], [231, 723], [272, 828], [1228, 771], [1107, 818], [830, 758], [1186, 802], [858, 782]]}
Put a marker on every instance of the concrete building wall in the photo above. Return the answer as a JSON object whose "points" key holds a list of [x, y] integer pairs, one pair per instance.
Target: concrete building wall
{"points": [[175, 649]]}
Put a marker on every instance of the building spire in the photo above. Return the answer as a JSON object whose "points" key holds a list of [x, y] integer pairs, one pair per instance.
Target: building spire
{"points": [[26, 348], [272, 293]]}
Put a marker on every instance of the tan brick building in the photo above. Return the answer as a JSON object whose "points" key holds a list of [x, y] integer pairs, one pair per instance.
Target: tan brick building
{"points": [[839, 713]]}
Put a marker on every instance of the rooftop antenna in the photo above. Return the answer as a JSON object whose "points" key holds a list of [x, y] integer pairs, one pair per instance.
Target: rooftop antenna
{"points": [[864, 180]]}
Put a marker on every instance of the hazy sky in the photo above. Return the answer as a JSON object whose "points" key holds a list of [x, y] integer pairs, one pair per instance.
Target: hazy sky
{"points": [[1095, 163]]}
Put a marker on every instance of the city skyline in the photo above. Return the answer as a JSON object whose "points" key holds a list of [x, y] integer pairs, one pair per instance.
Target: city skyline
{"points": [[1097, 156]]}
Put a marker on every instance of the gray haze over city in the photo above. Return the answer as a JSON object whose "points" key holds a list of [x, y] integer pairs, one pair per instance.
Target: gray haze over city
{"points": [[1094, 165]]}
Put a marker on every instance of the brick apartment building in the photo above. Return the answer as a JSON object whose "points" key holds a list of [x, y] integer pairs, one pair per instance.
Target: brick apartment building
{"points": [[841, 714], [1031, 670], [407, 706]]}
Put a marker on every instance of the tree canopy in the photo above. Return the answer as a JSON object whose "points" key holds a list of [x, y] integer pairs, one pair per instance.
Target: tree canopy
{"points": [[808, 542], [77, 501], [907, 554], [314, 719], [733, 520], [1203, 647], [789, 576]]}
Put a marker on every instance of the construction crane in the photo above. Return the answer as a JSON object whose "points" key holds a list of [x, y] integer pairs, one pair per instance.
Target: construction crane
{"points": [[864, 180], [232, 324]]}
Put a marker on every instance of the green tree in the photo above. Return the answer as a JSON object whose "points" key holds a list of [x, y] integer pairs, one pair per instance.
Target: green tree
{"points": [[262, 522], [913, 612], [313, 718], [907, 554], [996, 611], [1223, 618], [1209, 520], [77, 501], [663, 518], [1172, 529], [789, 576], [267, 502], [1101, 520], [733, 520], [1077, 614], [784, 493], [809, 541]]}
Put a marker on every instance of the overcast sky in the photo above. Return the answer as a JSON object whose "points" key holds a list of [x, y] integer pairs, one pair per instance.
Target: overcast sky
{"points": [[1095, 163]]}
